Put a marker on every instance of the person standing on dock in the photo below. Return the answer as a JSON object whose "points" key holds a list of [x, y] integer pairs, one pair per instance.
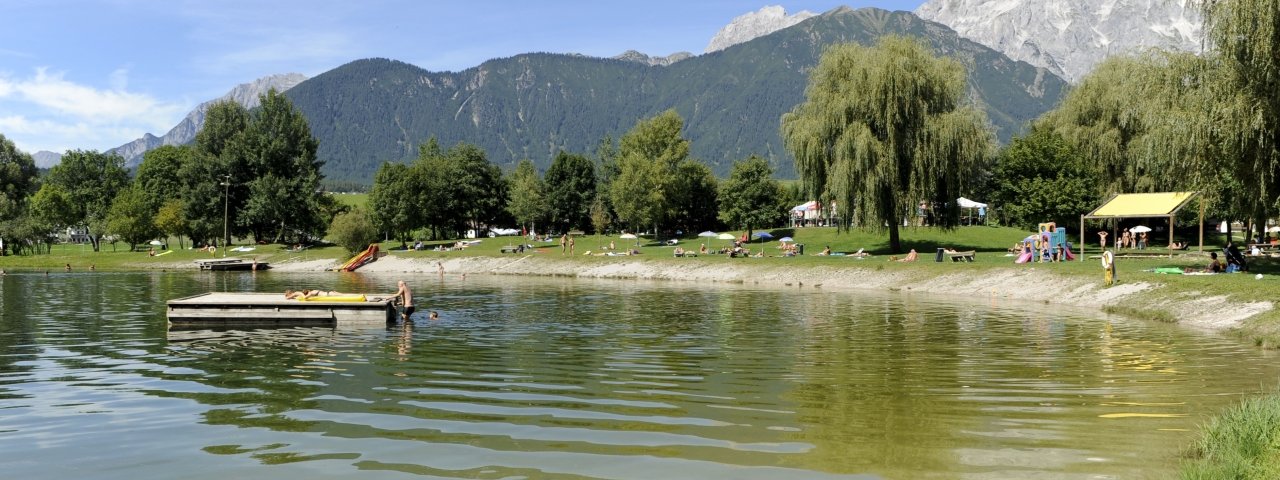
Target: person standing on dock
{"points": [[405, 299]]}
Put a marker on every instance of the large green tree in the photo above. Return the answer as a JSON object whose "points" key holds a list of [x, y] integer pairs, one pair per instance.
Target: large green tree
{"points": [[884, 127], [692, 197], [258, 172], [91, 180], [394, 201], [477, 187], [1244, 37], [17, 179], [528, 202], [131, 217], [1039, 178], [49, 211], [159, 174], [284, 187], [751, 198], [571, 187], [649, 156]]}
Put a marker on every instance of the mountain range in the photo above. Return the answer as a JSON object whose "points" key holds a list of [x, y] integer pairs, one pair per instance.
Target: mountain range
{"points": [[1070, 37], [534, 105]]}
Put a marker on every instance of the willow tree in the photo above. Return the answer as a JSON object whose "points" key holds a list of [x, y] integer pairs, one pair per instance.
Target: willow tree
{"points": [[1244, 38], [1140, 123], [884, 127]]}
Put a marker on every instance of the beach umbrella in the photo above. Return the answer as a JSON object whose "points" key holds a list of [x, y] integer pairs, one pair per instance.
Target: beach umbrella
{"points": [[785, 239], [763, 236], [1274, 229], [1140, 229], [708, 233], [725, 236], [628, 236]]}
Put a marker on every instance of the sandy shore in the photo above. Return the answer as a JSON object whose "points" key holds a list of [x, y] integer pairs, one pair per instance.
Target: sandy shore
{"points": [[1034, 284]]}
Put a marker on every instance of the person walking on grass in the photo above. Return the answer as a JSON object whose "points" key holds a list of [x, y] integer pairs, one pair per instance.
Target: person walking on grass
{"points": [[564, 243]]}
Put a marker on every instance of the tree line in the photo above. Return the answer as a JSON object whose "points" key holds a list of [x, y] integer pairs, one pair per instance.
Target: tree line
{"points": [[249, 174], [644, 181]]}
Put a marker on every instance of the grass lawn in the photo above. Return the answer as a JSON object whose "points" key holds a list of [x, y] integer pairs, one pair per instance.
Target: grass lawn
{"points": [[353, 200]]}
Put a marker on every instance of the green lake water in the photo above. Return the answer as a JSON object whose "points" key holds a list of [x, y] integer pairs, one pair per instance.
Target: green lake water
{"points": [[570, 379]]}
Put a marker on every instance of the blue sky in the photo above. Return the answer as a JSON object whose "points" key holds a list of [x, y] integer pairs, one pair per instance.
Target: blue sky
{"points": [[96, 74]]}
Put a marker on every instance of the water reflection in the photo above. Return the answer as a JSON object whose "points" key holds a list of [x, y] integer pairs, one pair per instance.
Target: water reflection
{"points": [[558, 379]]}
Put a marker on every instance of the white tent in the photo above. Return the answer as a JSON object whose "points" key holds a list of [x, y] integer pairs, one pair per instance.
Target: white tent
{"points": [[969, 206], [805, 207]]}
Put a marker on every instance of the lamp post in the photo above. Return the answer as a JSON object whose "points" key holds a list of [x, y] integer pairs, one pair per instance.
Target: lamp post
{"points": [[226, 202]]}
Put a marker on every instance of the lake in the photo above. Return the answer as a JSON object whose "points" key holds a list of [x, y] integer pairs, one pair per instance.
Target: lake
{"points": [[555, 378]]}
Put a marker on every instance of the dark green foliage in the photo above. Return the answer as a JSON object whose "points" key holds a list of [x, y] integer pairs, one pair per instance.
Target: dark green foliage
{"points": [[131, 217], [353, 231], [536, 105], [257, 172], [159, 173], [395, 207], [751, 198], [446, 192], [1040, 178], [280, 156], [571, 187], [692, 198], [528, 202], [17, 179], [90, 180]]}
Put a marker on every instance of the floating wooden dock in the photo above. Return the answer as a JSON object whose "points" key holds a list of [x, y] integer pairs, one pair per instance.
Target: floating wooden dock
{"points": [[228, 308], [224, 264]]}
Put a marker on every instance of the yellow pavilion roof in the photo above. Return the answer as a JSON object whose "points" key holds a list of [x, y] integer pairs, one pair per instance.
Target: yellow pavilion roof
{"points": [[1142, 205]]}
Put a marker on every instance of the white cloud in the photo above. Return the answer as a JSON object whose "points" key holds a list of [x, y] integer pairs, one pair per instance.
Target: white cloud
{"points": [[46, 111], [51, 91]]}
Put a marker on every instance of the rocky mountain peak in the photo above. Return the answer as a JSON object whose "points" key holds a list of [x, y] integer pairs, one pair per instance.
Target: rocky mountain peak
{"points": [[185, 132], [755, 24], [638, 57], [1070, 37]]}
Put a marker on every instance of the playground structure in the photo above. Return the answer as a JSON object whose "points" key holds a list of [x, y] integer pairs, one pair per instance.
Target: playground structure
{"points": [[1048, 244], [361, 259]]}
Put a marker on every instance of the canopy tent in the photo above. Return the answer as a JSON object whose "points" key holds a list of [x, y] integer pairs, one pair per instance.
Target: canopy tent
{"points": [[806, 211], [806, 206], [970, 206], [1142, 205]]}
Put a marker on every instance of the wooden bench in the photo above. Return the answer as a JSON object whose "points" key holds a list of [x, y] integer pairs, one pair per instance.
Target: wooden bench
{"points": [[511, 249], [961, 256]]}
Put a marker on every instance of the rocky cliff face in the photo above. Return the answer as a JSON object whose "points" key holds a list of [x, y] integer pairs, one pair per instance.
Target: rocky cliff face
{"points": [[185, 132], [1070, 37], [46, 159], [755, 25], [638, 57]]}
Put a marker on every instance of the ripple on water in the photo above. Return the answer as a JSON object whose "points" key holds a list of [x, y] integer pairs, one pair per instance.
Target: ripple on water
{"points": [[552, 379]]}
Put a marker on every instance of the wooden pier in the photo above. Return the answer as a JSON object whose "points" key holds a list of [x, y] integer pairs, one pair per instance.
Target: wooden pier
{"points": [[239, 309], [226, 264]]}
